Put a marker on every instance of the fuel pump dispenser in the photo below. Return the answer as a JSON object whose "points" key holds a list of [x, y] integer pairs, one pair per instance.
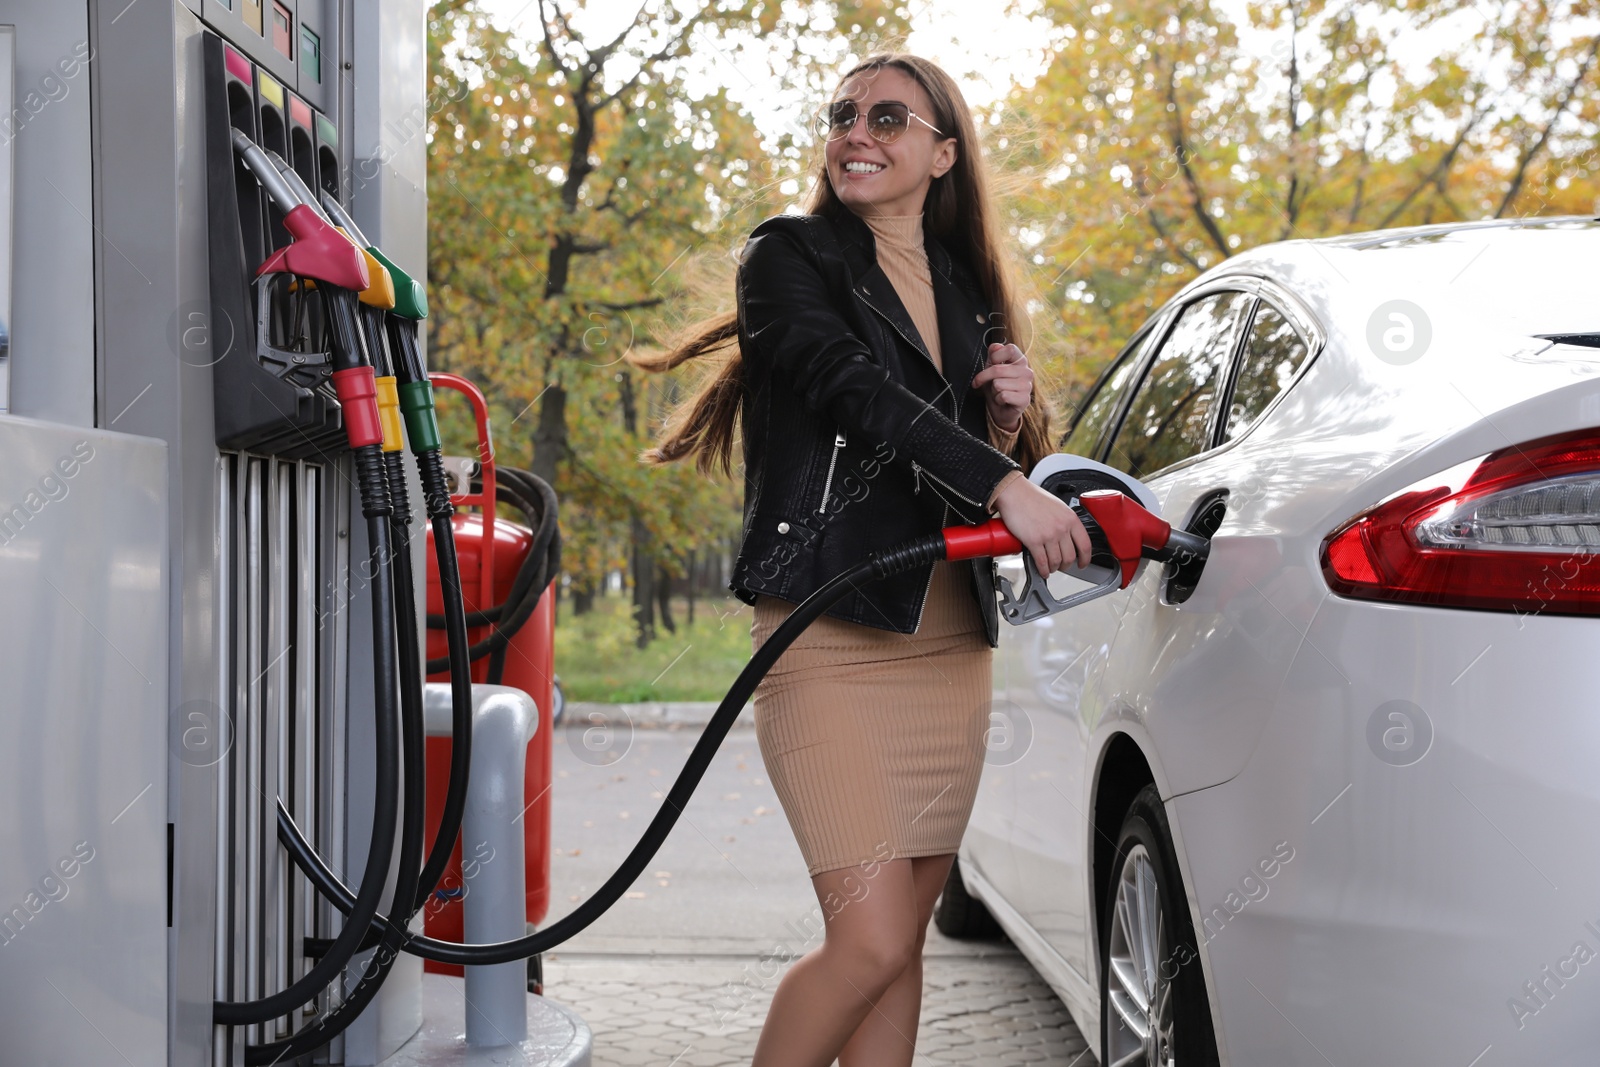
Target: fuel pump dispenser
{"points": [[231, 382], [356, 291]]}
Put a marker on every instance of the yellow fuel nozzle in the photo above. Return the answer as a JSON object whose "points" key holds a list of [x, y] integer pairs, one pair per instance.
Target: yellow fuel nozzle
{"points": [[380, 294], [389, 414]]}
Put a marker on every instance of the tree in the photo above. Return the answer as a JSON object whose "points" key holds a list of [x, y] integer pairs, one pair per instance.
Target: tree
{"points": [[1159, 144], [583, 200]]}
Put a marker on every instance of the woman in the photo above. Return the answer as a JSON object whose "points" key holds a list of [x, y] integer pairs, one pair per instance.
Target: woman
{"points": [[881, 396]]}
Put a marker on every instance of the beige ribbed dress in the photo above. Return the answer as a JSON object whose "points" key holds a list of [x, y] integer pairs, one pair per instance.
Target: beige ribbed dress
{"points": [[873, 739]]}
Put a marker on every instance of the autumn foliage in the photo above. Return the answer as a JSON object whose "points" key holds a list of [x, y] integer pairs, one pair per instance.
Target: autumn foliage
{"points": [[588, 196]]}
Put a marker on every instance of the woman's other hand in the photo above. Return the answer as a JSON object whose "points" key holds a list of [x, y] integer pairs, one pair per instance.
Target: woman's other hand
{"points": [[1047, 527], [1007, 384]]}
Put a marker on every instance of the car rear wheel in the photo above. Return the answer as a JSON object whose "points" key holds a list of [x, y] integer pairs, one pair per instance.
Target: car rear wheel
{"points": [[1153, 1008], [958, 913]]}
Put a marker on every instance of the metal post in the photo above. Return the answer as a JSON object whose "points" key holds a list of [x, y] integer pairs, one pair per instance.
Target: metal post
{"points": [[504, 720]]}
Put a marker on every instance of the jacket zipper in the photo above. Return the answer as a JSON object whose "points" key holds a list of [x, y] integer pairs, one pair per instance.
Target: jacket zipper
{"points": [[919, 471], [827, 485]]}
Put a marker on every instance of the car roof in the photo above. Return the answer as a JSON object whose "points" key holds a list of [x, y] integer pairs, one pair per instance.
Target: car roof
{"points": [[1525, 276]]}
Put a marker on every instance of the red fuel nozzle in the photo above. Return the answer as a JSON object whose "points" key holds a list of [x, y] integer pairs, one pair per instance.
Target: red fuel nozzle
{"points": [[1131, 532], [1117, 525], [358, 398]]}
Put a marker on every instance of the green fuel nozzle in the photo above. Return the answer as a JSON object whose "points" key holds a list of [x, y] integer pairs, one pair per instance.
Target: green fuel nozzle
{"points": [[410, 308], [410, 297]]}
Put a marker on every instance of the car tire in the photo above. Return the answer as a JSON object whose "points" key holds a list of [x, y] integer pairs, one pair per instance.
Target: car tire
{"points": [[1153, 1006], [958, 913]]}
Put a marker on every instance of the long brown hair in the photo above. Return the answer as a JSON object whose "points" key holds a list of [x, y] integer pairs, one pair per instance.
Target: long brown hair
{"points": [[958, 211]]}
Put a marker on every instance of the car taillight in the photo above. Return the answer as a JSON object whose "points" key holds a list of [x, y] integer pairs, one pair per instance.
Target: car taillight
{"points": [[1516, 530]]}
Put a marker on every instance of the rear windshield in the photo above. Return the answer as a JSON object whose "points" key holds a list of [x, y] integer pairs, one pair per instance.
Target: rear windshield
{"points": [[1536, 278]]}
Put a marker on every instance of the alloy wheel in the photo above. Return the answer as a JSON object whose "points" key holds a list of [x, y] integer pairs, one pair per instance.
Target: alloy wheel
{"points": [[1140, 992]]}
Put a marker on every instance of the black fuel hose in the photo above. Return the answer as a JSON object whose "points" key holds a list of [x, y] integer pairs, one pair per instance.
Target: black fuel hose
{"points": [[923, 550], [408, 634], [537, 501], [292, 837], [386, 749], [436, 499], [388, 935], [414, 734], [455, 799], [328, 1026], [533, 577], [415, 760], [413, 740], [406, 901], [405, 355], [533, 496]]}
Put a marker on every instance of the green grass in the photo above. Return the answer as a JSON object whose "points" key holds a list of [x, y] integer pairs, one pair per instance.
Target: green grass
{"points": [[597, 660]]}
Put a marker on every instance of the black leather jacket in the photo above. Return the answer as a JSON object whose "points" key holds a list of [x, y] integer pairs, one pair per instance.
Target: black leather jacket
{"points": [[852, 439]]}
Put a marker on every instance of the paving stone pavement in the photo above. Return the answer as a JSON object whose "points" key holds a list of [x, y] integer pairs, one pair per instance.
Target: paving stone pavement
{"points": [[707, 1012], [681, 971]]}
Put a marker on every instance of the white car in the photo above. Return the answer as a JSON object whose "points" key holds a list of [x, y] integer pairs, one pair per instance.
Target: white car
{"points": [[1336, 801]]}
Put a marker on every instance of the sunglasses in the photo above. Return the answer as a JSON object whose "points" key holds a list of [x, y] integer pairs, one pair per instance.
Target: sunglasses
{"points": [[886, 120]]}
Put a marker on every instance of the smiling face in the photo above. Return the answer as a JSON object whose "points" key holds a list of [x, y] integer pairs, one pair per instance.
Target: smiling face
{"points": [[873, 178]]}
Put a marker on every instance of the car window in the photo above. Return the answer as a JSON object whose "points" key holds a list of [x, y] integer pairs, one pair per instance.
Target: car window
{"points": [[1099, 408], [1170, 417], [1273, 355]]}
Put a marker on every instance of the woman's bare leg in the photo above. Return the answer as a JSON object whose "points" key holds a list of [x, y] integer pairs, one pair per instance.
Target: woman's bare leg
{"points": [[887, 1036], [871, 937]]}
